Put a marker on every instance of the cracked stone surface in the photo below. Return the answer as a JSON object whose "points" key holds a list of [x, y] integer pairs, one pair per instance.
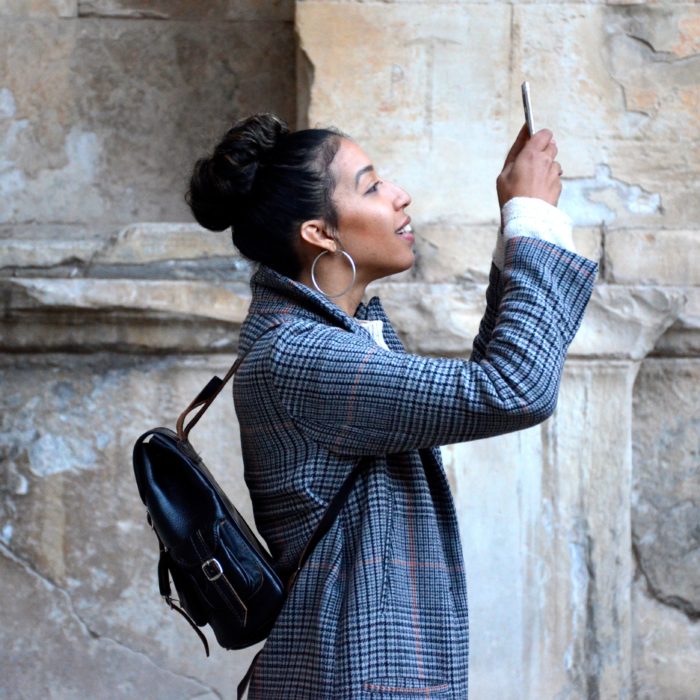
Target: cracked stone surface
{"points": [[71, 511], [619, 84], [279, 10], [666, 649], [666, 512], [82, 663], [629, 77]]}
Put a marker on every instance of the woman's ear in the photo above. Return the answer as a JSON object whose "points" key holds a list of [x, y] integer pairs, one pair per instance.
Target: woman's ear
{"points": [[316, 233]]}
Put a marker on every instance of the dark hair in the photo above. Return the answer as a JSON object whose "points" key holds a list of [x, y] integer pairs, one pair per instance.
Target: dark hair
{"points": [[264, 181]]}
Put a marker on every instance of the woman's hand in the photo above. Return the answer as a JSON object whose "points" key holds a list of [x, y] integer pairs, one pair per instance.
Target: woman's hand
{"points": [[530, 169]]}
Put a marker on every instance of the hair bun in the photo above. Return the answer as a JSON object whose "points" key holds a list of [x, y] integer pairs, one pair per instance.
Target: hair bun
{"points": [[220, 183]]}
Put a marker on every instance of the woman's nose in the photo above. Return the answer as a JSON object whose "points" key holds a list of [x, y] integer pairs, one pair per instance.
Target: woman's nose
{"points": [[403, 199]]}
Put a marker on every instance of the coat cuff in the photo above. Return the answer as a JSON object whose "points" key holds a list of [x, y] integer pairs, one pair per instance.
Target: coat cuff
{"points": [[528, 216]]}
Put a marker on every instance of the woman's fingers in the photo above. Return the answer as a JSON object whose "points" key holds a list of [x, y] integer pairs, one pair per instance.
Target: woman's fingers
{"points": [[552, 149], [540, 140], [531, 169]]}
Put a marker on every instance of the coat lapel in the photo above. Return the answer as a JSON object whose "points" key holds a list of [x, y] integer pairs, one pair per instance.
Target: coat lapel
{"points": [[275, 297]]}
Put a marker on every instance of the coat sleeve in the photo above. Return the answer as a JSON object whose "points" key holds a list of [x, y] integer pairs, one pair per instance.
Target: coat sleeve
{"points": [[494, 291], [354, 398]]}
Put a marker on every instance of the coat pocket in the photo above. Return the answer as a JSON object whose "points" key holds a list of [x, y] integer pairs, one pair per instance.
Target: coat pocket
{"points": [[402, 688]]}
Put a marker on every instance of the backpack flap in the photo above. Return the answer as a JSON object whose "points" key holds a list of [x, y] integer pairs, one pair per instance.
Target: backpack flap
{"points": [[222, 573]]}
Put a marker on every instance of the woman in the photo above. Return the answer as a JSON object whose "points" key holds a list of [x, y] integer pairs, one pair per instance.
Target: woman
{"points": [[380, 609]]}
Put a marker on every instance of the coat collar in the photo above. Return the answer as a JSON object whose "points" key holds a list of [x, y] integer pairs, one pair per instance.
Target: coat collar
{"points": [[275, 296]]}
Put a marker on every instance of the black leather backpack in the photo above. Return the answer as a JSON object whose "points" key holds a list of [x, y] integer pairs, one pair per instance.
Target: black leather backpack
{"points": [[223, 575]]}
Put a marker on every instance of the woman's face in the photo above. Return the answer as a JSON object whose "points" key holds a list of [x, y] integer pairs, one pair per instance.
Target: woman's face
{"points": [[372, 224]]}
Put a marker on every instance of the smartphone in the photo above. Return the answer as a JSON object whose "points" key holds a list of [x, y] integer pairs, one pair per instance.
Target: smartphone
{"points": [[525, 89]]}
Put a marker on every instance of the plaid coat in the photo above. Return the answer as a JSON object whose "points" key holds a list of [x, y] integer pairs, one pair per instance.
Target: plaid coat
{"points": [[380, 609]]}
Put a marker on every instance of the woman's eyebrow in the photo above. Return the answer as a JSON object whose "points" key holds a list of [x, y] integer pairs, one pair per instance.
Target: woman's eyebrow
{"points": [[361, 172]]}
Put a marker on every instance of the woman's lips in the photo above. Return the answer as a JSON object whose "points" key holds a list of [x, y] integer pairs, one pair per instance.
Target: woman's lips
{"points": [[406, 232]]}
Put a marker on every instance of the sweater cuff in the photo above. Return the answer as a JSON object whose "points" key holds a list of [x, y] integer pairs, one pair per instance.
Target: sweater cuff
{"points": [[528, 216]]}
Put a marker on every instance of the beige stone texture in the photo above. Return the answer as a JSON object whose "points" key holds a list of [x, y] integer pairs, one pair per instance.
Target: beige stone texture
{"points": [[68, 659], [666, 649], [106, 127], [544, 516], [580, 534], [653, 257], [627, 321], [53, 249], [429, 116], [141, 244], [546, 513], [146, 315], [682, 337], [449, 252], [278, 10], [619, 85], [146, 250], [620, 322]]}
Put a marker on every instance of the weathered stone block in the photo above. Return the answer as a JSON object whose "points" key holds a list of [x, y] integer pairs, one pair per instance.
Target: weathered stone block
{"points": [[544, 518], [683, 336], [71, 516], [54, 249], [626, 321], [442, 319], [448, 252], [51, 652], [71, 314], [39, 8], [140, 251], [666, 650], [103, 128], [625, 109], [666, 512], [430, 114], [433, 319], [451, 253], [140, 244], [653, 257], [279, 10]]}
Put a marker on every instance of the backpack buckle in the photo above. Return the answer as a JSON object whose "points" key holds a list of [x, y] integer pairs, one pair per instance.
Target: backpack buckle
{"points": [[212, 569]]}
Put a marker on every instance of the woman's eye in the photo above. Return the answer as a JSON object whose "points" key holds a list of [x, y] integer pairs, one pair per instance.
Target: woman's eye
{"points": [[374, 187]]}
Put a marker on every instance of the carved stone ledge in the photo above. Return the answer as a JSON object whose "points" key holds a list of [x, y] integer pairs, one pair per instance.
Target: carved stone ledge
{"points": [[80, 315], [87, 315]]}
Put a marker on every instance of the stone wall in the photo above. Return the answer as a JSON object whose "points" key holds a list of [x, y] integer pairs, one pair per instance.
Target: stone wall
{"points": [[581, 535], [110, 327]]}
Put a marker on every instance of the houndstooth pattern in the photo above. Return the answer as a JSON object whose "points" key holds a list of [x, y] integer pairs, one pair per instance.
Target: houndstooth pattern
{"points": [[380, 609]]}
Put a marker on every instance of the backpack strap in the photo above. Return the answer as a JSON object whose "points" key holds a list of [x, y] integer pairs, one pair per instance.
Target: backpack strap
{"points": [[322, 528], [207, 395], [328, 518], [202, 401], [166, 591]]}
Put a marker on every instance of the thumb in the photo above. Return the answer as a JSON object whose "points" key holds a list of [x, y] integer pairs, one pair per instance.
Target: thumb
{"points": [[517, 146]]}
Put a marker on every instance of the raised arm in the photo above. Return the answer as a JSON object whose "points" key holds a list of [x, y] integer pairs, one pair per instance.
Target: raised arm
{"points": [[354, 398]]}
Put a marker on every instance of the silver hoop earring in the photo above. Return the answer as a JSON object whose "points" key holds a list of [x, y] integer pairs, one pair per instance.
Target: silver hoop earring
{"points": [[348, 288]]}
